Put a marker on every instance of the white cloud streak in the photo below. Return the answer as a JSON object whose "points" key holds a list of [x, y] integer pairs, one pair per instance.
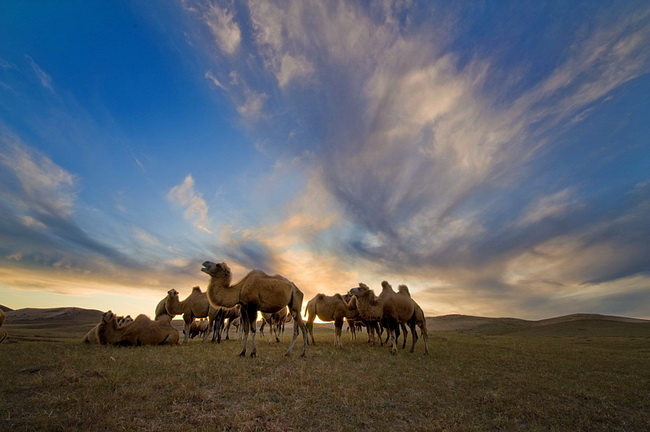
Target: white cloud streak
{"points": [[196, 209]]}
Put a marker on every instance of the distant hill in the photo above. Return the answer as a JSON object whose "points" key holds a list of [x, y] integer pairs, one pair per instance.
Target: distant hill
{"points": [[567, 325], [5, 308], [73, 322], [27, 315]]}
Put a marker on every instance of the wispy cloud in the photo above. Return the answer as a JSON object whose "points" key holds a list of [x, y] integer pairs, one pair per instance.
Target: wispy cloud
{"points": [[44, 78], [429, 166], [196, 209], [224, 28]]}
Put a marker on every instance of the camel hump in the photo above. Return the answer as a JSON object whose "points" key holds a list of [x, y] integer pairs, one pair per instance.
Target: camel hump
{"points": [[320, 296], [403, 289], [196, 289], [338, 296]]}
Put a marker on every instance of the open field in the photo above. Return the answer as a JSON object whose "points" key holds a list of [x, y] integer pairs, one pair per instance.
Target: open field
{"points": [[587, 374]]}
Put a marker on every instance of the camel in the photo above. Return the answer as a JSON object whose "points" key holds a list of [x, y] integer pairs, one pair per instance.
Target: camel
{"points": [[142, 331], [331, 308], [199, 328], [257, 291], [419, 320], [93, 338], [276, 322], [220, 318], [393, 308], [195, 305], [3, 332], [161, 311], [370, 313]]}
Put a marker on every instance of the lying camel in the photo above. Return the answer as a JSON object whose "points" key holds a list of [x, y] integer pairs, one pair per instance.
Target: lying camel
{"points": [[195, 305], [93, 338], [331, 308], [3, 332], [394, 309], [257, 291], [142, 331]]}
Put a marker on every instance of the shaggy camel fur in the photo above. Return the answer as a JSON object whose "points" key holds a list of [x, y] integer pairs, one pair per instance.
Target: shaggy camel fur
{"points": [[195, 305], [142, 331], [331, 308], [3, 332], [93, 338], [393, 309], [257, 291]]}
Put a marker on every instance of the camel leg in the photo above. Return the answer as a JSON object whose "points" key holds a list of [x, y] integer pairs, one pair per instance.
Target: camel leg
{"points": [[298, 325], [252, 318], [186, 327], [338, 328], [425, 339], [414, 334], [246, 325], [406, 333], [310, 328], [218, 319]]}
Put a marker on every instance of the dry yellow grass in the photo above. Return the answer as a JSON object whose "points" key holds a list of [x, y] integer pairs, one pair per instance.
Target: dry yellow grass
{"points": [[468, 382]]}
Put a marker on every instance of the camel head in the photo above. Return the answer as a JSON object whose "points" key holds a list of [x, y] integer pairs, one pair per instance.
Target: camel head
{"points": [[172, 293], [362, 288], [216, 269], [108, 316]]}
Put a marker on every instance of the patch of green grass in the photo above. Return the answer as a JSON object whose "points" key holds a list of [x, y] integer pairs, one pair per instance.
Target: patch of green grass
{"points": [[467, 382]]}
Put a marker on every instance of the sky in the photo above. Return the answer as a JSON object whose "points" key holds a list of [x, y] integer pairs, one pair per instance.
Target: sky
{"points": [[494, 156]]}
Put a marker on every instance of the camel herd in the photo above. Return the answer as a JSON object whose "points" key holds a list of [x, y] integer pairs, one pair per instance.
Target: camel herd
{"points": [[278, 300]]}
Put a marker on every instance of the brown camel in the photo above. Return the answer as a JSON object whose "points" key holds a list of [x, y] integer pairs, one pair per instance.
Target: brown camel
{"points": [[370, 311], [395, 309], [93, 338], [257, 291], [142, 331], [195, 305], [419, 320], [219, 320], [199, 328], [161, 311], [3, 332], [331, 308], [276, 321]]}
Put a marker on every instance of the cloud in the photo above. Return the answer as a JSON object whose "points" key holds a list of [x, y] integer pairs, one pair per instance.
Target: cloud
{"points": [[424, 153], [196, 210], [43, 186], [43, 77], [225, 30]]}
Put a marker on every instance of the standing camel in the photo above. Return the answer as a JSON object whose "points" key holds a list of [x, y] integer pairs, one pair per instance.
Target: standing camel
{"points": [[330, 308], [394, 309], [196, 305], [257, 291]]}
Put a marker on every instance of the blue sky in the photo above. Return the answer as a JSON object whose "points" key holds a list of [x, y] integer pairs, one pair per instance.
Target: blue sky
{"points": [[493, 156]]}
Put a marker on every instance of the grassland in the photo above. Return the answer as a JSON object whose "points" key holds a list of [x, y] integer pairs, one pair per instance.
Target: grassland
{"points": [[581, 376]]}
